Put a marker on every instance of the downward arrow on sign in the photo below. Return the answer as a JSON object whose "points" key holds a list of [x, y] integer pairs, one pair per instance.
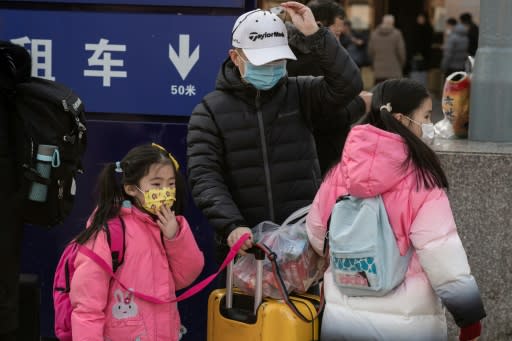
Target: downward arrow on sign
{"points": [[184, 62]]}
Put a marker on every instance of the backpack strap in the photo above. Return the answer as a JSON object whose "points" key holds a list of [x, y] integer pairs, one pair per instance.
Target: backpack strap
{"points": [[115, 230], [326, 239], [98, 260]]}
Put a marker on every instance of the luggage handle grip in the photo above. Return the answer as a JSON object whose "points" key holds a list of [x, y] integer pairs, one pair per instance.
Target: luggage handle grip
{"points": [[259, 254]]}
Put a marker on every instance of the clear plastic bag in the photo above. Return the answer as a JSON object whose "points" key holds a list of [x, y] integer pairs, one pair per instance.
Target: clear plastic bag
{"points": [[299, 264], [444, 129]]}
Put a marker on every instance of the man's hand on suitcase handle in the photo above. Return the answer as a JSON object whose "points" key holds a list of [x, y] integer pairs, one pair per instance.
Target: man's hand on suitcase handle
{"points": [[236, 234]]}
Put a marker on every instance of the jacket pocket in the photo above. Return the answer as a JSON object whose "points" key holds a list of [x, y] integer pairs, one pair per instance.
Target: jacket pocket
{"points": [[127, 330]]}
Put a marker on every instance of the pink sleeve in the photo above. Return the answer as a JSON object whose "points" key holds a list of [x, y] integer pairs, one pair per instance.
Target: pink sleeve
{"points": [[185, 259], [89, 293], [316, 221], [434, 222], [315, 228]]}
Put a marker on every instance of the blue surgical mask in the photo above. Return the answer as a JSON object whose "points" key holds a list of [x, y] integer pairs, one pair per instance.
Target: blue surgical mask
{"points": [[265, 76]]}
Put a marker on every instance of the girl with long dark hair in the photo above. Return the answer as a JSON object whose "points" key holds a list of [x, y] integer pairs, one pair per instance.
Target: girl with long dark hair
{"points": [[161, 256], [387, 154]]}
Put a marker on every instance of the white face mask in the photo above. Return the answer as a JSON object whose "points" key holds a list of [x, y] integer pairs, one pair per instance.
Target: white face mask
{"points": [[427, 131]]}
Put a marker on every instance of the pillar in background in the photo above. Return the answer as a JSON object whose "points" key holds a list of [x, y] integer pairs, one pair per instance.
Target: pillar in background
{"points": [[491, 88]]}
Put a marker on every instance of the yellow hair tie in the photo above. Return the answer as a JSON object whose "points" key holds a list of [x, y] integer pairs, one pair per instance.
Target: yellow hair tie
{"points": [[176, 164]]}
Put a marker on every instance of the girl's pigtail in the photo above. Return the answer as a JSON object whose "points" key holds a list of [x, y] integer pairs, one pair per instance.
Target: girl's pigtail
{"points": [[110, 198]]}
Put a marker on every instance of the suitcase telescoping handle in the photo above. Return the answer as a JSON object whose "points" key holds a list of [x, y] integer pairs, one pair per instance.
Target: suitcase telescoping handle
{"points": [[258, 293]]}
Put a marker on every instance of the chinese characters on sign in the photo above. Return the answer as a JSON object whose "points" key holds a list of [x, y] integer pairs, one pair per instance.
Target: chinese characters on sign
{"points": [[161, 66], [104, 59], [41, 52], [105, 65], [187, 90]]}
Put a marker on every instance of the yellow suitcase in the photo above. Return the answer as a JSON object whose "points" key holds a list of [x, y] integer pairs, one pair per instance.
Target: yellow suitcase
{"points": [[235, 316]]}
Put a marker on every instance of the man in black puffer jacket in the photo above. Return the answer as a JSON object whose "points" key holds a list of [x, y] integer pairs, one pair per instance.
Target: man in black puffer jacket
{"points": [[250, 148]]}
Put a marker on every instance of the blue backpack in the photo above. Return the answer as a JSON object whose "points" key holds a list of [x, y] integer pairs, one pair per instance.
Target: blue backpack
{"points": [[364, 255]]}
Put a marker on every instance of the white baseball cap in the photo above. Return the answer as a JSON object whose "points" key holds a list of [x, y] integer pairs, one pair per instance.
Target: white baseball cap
{"points": [[262, 36]]}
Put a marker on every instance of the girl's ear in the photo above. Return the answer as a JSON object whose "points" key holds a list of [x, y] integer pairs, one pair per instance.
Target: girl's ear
{"points": [[402, 119], [131, 190], [398, 116]]}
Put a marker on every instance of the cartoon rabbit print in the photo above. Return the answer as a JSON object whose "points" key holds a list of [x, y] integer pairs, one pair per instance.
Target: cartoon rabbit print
{"points": [[125, 307]]}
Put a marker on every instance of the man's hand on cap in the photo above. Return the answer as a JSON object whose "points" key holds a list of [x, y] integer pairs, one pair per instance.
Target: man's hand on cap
{"points": [[302, 17]]}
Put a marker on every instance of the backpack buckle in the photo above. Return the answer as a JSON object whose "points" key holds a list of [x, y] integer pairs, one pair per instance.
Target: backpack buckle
{"points": [[69, 139]]}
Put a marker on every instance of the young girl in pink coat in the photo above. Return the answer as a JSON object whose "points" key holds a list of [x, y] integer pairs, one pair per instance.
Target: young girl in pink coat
{"points": [[161, 254], [386, 154]]}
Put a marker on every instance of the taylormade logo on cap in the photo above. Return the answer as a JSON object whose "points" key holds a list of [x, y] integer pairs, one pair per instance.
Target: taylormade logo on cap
{"points": [[255, 35], [262, 36]]}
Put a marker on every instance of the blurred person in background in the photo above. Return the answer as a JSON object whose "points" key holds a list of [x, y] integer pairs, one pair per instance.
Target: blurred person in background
{"points": [[449, 26], [329, 137], [356, 45], [387, 50], [420, 49], [329, 14], [455, 50], [467, 20]]}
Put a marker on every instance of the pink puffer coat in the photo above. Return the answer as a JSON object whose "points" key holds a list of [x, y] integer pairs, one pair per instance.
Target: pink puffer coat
{"points": [[438, 273], [152, 265]]}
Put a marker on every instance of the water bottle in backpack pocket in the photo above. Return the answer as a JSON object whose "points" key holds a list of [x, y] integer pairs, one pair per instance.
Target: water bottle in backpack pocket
{"points": [[51, 141], [365, 259], [47, 158]]}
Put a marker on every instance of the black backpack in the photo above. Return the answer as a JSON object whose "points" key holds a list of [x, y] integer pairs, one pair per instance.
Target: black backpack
{"points": [[50, 138]]}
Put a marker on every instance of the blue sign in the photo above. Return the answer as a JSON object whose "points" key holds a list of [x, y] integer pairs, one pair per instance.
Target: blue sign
{"points": [[188, 3], [158, 64]]}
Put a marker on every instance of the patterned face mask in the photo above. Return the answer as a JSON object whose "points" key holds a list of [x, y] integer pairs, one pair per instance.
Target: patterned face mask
{"points": [[155, 198]]}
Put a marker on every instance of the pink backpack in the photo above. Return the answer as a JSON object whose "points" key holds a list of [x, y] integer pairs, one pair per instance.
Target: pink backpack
{"points": [[66, 268]]}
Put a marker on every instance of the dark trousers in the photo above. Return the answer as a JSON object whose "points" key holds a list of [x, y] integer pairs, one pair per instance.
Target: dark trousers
{"points": [[11, 230]]}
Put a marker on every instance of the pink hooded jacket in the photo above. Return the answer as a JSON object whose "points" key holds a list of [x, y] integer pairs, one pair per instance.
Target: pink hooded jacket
{"points": [[152, 265], [422, 218]]}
